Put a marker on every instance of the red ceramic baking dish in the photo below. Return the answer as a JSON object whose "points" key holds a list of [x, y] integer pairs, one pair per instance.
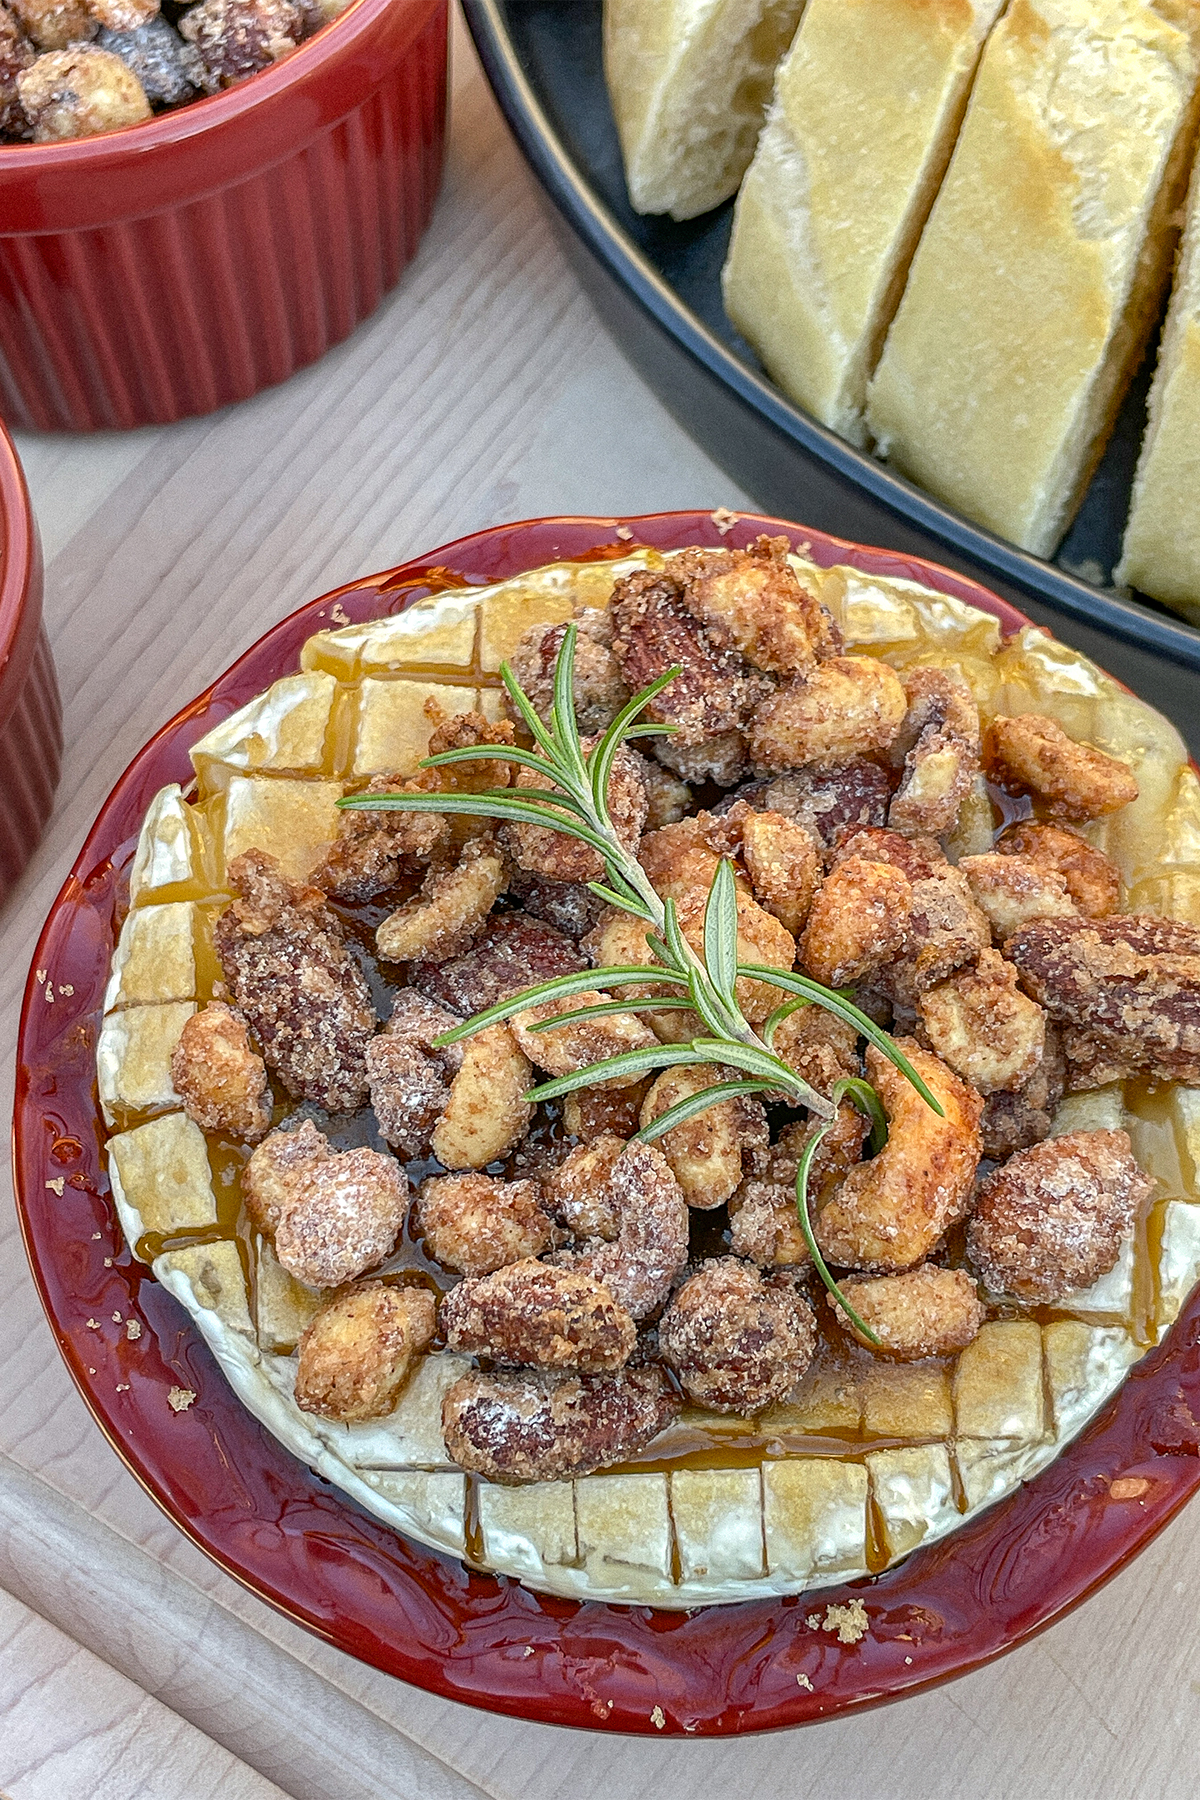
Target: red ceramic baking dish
{"points": [[176, 266], [30, 708]]}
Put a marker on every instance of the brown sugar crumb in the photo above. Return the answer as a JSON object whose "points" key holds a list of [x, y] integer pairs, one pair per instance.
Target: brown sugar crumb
{"points": [[927, 1312], [219, 1076], [232, 39], [544, 1317], [529, 1425], [850, 1621], [333, 1214], [1052, 1219], [1033, 755], [355, 1356], [1125, 989], [133, 1330], [180, 1398], [476, 1224], [737, 1342], [77, 93], [284, 954]]}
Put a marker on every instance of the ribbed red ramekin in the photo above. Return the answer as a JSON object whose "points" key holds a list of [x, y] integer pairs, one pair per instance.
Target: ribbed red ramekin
{"points": [[176, 266], [30, 708]]}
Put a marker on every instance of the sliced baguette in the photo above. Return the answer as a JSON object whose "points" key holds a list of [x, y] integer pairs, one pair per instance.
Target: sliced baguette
{"points": [[689, 81], [867, 105], [1041, 270], [1161, 553]]}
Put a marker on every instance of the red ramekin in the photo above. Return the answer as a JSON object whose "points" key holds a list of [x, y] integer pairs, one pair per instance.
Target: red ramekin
{"points": [[30, 708], [176, 266]]}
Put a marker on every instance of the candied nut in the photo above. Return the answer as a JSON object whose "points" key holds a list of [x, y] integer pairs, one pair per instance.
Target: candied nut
{"points": [[705, 1152], [983, 1027], [821, 1049], [487, 1112], [858, 922], [1052, 1219], [333, 1214], [652, 1231], [476, 1224], [738, 1343], [832, 803], [784, 866], [55, 24], [939, 745], [410, 1079], [80, 92], [16, 54], [753, 601], [284, 954], [764, 1217], [559, 857], [512, 952], [599, 692], [568, 1048], [123, 15], [591, 1113], [1033, 755], [667, 798], [1017, 1120], [619, 941], [235, 38], [1012, 890], [355, 1356], [522, 1425], [154, 51], [847, 707], [545, 1317], [946, 928], [765, 1227], [889, 1213], [927, 1312], [579, 1193], [1093, 879], [372, 847], [450, 911], [720, 758], [570, 906], [1126, 989], [218, 1075]]}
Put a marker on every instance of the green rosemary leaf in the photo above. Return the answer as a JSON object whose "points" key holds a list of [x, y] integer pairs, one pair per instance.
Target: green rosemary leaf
{"points": [[707, 1002], [566, 728], [819, 1264], [757, 1061], [581, 981], [625, 902], [600, 761], [537, 730], [640, 731], [503, 803], [666, 1003], [683, 1110], [630, 1062], [841, 1008], [720, 932], [512, 753], [767, 1032], [863, 1095], [676, 944]]}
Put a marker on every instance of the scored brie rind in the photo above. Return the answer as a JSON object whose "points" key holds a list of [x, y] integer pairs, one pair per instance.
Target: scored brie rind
{"points": [[674, 1536]]}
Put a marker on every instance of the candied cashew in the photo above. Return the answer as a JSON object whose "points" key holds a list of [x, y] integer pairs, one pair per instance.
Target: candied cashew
{"points": [[219, 1076], [705, 1152], [1093, 880], [821, 1048], [983, 1027], [525, 1425], [889, 1213], [569, 1048], [450, 911], [1033, 755], [939, 743], [926, 1312], [858, 921], [476, 1224], [487, 1112], [355, 1356], [1012, 890], [849, 706], [737, 1342], [784, 866], [540, 1316], [946, 929], [1052, 1219]]}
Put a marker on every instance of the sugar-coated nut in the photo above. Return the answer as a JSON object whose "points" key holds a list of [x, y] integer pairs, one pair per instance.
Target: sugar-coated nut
{"points": [[849, 706], [355, 1356], [476, 1224], [16, 54], [736, 1341], [122, 15], [858, 921], [219, 1076], [1092, 879], [154, 51], [55, 24], [983, 1027], [705, 1152], [531, 1425], [333, 1214], [926, 1312], [80, 93], [1033, 755], [539, 1316], [1012, 890], [235, 38]]}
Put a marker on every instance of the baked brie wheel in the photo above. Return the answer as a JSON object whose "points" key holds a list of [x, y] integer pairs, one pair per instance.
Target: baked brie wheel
{"points": [[603, 1362]]}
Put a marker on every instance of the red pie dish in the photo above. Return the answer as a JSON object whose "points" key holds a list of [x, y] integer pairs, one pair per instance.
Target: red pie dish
{"points": [[30, 708], [301, 1544], [184, 263]]}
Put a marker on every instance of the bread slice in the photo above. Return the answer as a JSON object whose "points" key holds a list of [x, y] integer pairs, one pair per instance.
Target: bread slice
{"points": [[689, 81], [1040, 272], [867, 105], [1161, 553]]}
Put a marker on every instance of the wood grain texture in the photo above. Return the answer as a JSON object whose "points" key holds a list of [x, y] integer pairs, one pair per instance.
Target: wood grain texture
{"points": [[485, 389]]}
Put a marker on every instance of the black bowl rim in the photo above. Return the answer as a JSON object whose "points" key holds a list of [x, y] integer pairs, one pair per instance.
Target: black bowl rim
{"points": [[992, 556]]}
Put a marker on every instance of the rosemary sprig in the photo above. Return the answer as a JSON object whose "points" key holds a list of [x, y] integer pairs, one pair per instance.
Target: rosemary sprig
{"points": [[868, 1103], [575, 802]]}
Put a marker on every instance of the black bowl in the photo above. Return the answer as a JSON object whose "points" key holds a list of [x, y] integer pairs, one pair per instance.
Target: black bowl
{"points": [[657, 286]]}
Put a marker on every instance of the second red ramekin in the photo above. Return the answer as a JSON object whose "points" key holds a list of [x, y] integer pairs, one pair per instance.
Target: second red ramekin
{"points": [[176, 266], [30, 708]]}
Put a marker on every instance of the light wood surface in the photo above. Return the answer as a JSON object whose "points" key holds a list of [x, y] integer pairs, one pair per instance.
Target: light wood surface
{"points": [[129, 1665]]}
